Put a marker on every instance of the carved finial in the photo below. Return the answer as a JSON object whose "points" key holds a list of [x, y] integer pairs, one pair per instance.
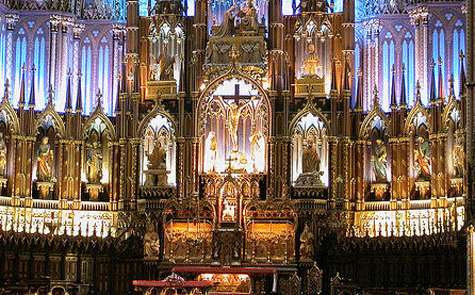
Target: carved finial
{"points": [[6, 90], [418, 91], [99, 98], [375, 97], [50, 94], [403, 100], [79, 94], [32, 99], [451, 86], [462, 75]]}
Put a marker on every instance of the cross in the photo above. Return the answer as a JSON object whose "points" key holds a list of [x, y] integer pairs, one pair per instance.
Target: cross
{"points": [[236, 95]]}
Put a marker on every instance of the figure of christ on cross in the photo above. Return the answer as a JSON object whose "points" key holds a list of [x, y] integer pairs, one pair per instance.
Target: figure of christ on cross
{"points": [[233, 114]]}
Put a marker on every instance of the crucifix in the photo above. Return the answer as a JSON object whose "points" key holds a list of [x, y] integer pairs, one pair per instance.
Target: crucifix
{"points": [[233, 114]]}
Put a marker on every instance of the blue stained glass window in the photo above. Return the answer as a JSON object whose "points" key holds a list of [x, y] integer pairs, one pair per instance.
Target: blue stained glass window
{"points": [[103, 74], [458, 45], [20, 60], [438, 52], [289, 7], [86, 79], [388, 62], [408, 61], [40, 65], [3, 45]]}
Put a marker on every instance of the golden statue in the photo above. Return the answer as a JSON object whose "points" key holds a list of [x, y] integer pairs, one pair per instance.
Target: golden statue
{"points": [[45, 161], [310, 159], [311, 65], [379, 160], [458, 158], [306, 244], [151, 243], [166, 64], [422, 158], [3, 156], [227, 27], [157, 158], [94, 164]]}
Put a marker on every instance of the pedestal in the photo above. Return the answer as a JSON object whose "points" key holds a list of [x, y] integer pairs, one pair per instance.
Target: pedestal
{"points": [[310, 180], [156, 177]]}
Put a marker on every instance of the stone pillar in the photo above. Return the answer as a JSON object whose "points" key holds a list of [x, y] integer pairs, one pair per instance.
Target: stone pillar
{"points": [[419, 19], [54, 24]]}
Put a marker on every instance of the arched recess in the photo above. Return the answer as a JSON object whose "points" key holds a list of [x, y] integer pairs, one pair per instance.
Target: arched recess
{"points": [[309, 131], [418, 128], [49, 130], [9, 125], [249, 111], [374, 130], [158, 133], [455, 140], [98, 134]]}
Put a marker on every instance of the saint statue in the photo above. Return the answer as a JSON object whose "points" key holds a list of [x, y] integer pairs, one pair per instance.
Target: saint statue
{"points": [[306, 244], [151, 243], [157, 158], [3, 156], [249, 17], [458, 158], [166, 64], [94, 164], [422, 158], [379, 160], [227, 26], [311, 65], [45, 161], [257, 141], [310, 158], [211, 148]]}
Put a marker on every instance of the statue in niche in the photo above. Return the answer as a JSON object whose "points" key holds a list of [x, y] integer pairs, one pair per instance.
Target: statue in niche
{"points": [[151, 243], [306, 244], [211, 145], [227, 27], [45, 161], [310, 159], [3, 156], [157, 166], [311, 64], [94, 163], [422, 158], [166, 64], [157, 158], [458, 157], [379, 161], [257, 141]]}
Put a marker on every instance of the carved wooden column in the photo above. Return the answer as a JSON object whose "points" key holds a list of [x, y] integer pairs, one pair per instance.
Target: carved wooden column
{"points": [[122, 172], [405, 159], [195, 153], [271, 170], [59, 173], [180, 141], [115, 187], [30, 154], [359, 174], [134, 144], [333, 162]]}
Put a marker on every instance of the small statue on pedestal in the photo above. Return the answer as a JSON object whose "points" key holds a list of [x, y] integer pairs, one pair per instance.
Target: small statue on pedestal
{"points": [[306, 244], [45, 161], [156, 175], [151, 243], [3, 156], [94, 164]]}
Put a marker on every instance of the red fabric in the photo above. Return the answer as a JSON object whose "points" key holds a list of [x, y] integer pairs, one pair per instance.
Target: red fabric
{"points": [[185, 284], [224, 270]]}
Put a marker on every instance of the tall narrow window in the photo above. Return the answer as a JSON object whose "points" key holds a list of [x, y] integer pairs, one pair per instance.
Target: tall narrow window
{"points": [[408, 61], [388, 62], [103, 73], [39, 62], [86, 69], [3, 55], [438, 52], [145, 7], [20, 60], [458, 45]]}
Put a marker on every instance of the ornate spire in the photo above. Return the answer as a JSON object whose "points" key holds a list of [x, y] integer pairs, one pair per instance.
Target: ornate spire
{"points": [[346, 77], [463, 79], [393, 88], [79, 95], [359, 92], [98, 99], [451, 86], [403, 100], [69, 104], [31, 101], [50, 95], [432, 82], [6, 90], [375, 97], [418, 92], [441, 80], [21, 100]]}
